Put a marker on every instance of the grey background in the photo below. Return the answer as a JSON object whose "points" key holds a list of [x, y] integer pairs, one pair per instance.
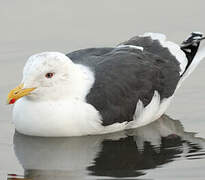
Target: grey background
{"points": [[32, 26]]}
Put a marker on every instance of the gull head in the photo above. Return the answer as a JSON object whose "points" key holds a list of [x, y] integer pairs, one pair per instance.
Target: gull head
{"points": [[46, 76]]}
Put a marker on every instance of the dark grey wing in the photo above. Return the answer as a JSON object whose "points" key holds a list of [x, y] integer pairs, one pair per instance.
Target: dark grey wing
{"points": [[89, 57], [126, 75], [152, 46], [123, 76]]}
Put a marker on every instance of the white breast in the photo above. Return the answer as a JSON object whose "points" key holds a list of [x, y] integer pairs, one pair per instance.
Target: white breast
{"points": [[76, 118], [56, 118]]}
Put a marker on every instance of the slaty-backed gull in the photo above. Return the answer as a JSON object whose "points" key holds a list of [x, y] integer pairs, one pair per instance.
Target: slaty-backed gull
{"points": [[102, 90]]}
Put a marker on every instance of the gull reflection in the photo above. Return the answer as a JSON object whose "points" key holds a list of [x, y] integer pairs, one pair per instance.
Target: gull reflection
{"points": [[122, 154]]}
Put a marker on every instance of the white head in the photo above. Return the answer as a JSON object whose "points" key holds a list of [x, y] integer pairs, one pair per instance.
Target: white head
{"points": [[49, 73], [49, 76]]}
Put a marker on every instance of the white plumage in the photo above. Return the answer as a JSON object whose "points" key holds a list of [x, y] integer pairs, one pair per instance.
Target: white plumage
{"points": [[58, 106]]}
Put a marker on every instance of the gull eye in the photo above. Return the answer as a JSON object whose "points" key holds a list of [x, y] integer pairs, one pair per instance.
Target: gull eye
{"points": [[49, 75]]}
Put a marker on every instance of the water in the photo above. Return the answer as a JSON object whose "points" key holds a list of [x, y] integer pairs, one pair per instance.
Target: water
{"points": [[162, 145], [151, 152]]}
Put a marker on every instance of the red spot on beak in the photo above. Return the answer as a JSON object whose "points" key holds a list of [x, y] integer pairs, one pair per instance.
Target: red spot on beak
{"points": [[12, 101]]}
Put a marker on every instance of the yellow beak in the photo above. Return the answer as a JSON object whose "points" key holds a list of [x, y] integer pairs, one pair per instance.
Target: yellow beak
{"points": [[17, 93]]}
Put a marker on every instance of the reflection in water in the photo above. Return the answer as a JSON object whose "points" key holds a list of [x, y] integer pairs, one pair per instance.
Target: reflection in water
{"points": [[122, 154]]}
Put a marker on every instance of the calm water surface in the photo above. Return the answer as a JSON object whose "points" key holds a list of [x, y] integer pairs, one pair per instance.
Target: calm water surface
{"points": [[164, 150], [162, 146]]}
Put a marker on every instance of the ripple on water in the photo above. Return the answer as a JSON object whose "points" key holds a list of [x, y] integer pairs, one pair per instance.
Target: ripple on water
{"points": [[132, 153]]}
